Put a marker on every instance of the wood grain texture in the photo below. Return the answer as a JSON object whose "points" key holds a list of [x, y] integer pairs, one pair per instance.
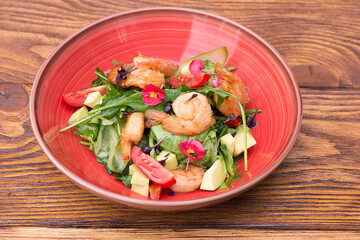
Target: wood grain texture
{"points": [[131, 233], [316, 187], [319, 40]]}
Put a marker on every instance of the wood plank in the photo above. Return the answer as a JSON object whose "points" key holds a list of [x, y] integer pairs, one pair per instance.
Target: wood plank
{"points": [[155, 233], [319, 39], [316, 187]]}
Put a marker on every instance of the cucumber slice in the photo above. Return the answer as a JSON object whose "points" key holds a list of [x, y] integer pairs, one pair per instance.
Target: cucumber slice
{"points": [[218, 55]]}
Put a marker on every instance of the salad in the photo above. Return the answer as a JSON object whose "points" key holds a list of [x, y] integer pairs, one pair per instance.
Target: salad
{"points": [[160, 126]]}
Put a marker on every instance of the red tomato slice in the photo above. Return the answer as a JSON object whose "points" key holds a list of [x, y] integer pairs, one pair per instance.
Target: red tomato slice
{"points": [[76, 99], [233, 123], [152, 168], [193, 81]]}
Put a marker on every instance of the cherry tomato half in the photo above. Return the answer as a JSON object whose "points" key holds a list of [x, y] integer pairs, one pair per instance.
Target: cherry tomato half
{"points": [[152, 168], [76, 99], [193, 81], [234, 122]]}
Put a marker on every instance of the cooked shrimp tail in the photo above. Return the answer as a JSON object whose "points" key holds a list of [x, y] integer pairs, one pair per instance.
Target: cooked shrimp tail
{"points": [[187, 181], [234, 85], [126, 147], [131, 134], [155, 191], [139, 77], [166, 67]]}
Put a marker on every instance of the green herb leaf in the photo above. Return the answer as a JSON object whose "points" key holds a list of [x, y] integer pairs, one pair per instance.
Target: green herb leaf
{"points": [[85, 143], [221, 129], [232, 68], [101, 74], [209, 65], [81, 121], [229, 162], [101, 78], [230, 180], [210, 144], [124, 175], [251, 112], [88, 131]]}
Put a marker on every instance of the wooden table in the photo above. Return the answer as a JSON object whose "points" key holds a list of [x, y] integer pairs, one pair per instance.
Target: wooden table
{"points": [[315, 192]]}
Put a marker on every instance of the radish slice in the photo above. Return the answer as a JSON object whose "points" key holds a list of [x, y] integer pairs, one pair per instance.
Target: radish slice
{"points": [[216, 82], [195, 66]]}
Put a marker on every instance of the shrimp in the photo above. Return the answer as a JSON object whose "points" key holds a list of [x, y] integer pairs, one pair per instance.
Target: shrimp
{"points": [[150, 123], [155, 191], [131, 134], [187, 181], [166, 67], [192, 116], [140, 77], [234, 85]]}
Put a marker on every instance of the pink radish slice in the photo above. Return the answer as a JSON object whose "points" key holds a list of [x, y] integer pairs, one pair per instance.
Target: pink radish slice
{"points": [[195, 66], [216, 82]]}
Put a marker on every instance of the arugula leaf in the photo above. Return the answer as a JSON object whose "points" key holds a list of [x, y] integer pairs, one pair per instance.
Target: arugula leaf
{"points": [[210, 144], [85, 143], [88, 131], [124, 175], [97, 82], [101, 78], [251, 112], [222, 95], [81, 121], [126, 180], [134, 100], [221, 129], [238, 158], [110, 113], [152, 143], [229, 162], [230, 180], [233, 68], [101, 74]]}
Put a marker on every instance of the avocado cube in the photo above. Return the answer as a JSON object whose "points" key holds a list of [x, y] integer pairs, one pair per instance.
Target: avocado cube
{"points": [[93, 99], [171, 162], [229, 141], [214, 176], [132, 169], [139, 178], [239, 140], [140, 189], [79, 114]]}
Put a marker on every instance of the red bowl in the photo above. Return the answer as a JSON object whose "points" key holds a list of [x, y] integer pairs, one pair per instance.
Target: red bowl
{"points": [[174, 34]]}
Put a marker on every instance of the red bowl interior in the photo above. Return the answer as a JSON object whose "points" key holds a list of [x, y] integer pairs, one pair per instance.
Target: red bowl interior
{"points": [[176, 35]]}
